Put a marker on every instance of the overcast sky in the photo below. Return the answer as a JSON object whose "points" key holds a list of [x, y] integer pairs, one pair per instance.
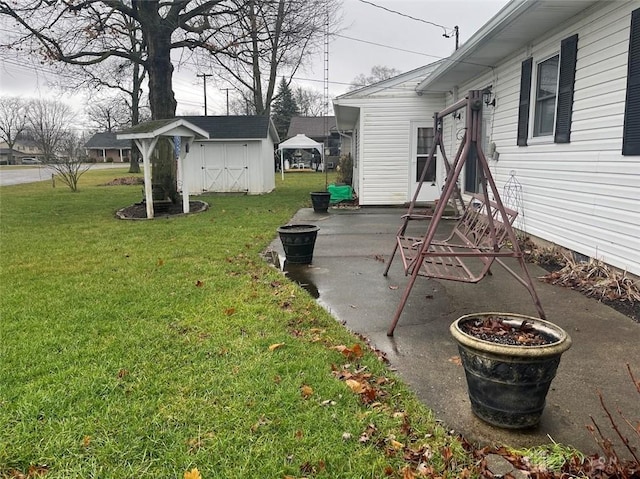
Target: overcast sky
{"points": [[370, 36]]}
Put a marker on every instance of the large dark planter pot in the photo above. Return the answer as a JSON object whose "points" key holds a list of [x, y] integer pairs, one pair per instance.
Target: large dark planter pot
{"points": [[320, 201], [508, 384], [298, 242]]}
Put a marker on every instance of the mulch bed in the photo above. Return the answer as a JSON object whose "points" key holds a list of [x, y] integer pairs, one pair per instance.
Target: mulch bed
{"points": [[138, 211], [592, 278]]}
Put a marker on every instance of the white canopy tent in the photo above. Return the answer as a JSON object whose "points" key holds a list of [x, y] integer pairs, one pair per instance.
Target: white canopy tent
{"points": [[299, 142]]}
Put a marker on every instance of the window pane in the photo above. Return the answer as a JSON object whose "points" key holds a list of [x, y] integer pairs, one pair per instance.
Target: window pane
{"points": [[425, 142], [546, 115], [431, 173], [546, 91]]}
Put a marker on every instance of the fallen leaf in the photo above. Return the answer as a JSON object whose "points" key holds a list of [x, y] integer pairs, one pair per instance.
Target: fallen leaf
{"points": [[192, 474], [355, 386], [199, 284], [160, 262], [86, 441], [393, 287], [455, 360], [407, 473], [346, 436], [396, 444], [275, 346], [122, 373], [229, 311], [306, 391]]}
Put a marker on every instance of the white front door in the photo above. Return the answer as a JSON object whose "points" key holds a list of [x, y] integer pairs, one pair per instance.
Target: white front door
{"points": [[422, 137]]}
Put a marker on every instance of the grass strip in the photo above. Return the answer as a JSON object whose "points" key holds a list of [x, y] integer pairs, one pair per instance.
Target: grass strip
{"points": [[150, 348]]}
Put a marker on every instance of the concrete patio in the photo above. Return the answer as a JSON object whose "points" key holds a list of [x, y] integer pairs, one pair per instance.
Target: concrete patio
{"points": [[346, 277]]}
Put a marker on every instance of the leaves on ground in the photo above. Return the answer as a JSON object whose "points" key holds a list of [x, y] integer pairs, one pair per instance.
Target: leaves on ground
{"points": [[192, 474]]}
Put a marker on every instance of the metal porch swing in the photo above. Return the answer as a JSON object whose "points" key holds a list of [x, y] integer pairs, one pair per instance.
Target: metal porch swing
{"points": [[479, 235]]}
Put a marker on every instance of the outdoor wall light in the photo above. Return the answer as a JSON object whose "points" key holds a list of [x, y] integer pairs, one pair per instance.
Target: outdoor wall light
{"points": [[487, 98]]}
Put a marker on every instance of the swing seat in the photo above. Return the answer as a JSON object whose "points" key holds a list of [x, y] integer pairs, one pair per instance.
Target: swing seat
{"points": [[467, 254]]}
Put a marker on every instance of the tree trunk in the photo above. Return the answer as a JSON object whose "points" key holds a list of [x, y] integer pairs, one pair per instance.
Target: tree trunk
{"points": [[157, 32], [134, 157]]}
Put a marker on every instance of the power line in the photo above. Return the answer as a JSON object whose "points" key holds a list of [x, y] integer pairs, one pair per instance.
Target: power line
{"points": [[446, 29], [411, 51]]}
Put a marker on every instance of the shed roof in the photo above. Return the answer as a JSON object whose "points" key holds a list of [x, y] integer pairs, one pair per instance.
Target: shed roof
{"points": [[106, 140], [235, 127], [311, 126]]}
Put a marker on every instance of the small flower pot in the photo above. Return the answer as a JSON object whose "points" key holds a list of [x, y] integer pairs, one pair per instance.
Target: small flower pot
{"points": [[298, 242], [320, 201], [508, 383]]}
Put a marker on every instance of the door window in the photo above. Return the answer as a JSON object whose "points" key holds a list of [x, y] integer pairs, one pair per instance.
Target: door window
{"points": [[425, 140]]}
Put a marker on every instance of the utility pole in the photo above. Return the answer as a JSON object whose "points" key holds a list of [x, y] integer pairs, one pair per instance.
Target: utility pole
{"points": [[204, 78], [227, 90]]}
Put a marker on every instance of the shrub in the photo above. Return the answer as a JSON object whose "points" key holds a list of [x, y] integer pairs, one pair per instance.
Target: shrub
{"points": [[109, 159], [345, 169]]}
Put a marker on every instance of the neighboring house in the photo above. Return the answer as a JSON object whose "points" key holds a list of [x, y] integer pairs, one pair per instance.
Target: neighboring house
{"points": [[237, 157], [105, 145], [388, 122], [565, 124], [22, 148], [321, 129]]}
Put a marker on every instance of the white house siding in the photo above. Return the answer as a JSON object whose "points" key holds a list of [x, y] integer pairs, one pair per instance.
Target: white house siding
{"points": [[583, 195], [384, 145]]}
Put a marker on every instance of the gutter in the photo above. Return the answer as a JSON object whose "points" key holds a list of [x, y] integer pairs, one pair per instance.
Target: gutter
{"points": [[511, 11]]}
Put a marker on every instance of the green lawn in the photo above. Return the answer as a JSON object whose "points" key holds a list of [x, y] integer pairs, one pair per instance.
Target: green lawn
{"points": [[149, 348]]}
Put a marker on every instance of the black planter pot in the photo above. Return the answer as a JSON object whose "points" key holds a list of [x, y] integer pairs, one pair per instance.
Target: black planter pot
{"points": [[508, 384], [298, 242], [320, 201]]}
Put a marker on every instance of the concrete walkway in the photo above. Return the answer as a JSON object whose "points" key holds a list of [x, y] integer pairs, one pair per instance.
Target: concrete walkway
{"points": [[346, 277]]}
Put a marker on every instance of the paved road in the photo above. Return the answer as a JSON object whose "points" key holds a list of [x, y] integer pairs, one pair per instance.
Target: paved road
{"points": [[16, 176]]}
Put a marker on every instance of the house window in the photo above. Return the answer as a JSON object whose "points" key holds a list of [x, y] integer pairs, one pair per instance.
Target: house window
{"points": [[546, 92], [553, 95], [423, 147]]}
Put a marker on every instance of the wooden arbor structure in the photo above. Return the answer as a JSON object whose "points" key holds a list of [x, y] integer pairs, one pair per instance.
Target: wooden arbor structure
{"points": [[146, 136], [476, 241]]}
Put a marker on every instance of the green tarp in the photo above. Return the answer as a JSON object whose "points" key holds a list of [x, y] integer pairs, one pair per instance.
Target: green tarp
{"points": [[340, 193]]}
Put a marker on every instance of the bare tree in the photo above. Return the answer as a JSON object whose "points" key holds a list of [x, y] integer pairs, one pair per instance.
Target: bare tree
{"points": [[86, 32], [13, 121], [270, 40], [71, 164], [48, 123], [110, 114], [378, 73], [310, 102]]}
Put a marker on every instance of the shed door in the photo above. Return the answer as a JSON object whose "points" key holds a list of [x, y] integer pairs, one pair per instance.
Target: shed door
{"points": [[225, 167], [213, 167], [236, 173], [422, 138]]}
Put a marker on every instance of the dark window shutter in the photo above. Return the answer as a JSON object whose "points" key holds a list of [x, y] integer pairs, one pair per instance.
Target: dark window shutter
{"points": [[631, 132], [525, 100], [566, 80]]}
